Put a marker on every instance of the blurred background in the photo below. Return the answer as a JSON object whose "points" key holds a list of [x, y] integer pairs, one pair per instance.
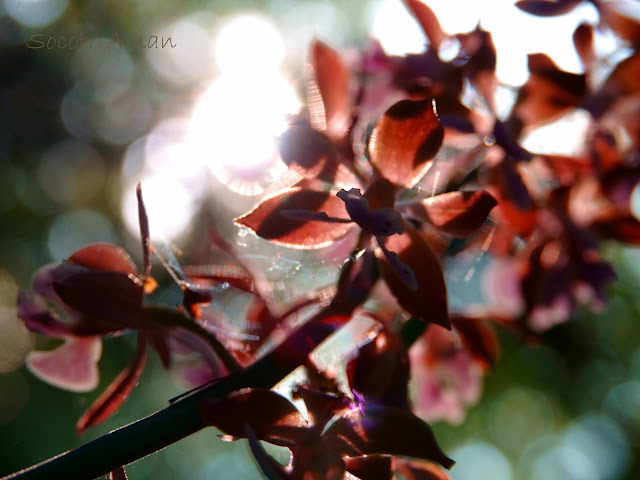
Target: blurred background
{"points": [[188, 97]]}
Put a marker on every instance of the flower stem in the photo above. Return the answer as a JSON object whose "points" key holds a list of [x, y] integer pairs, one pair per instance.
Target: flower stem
{"points": [[147, 435]]}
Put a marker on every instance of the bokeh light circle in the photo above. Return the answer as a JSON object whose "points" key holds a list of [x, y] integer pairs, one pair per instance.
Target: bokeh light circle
{"points": [[35, 13], [77, 228], [249, 44]]}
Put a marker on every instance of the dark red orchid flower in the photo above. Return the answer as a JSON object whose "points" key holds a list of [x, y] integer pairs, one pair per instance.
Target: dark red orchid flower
{"points": [[98, 291], [401, 145], [340, 435]]}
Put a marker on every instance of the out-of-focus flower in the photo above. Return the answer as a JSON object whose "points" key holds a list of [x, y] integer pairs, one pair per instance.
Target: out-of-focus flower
{"points": [[97, 292], [447, 374]]}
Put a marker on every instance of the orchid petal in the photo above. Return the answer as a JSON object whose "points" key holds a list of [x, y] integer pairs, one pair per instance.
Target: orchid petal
{"points": [[404, 140], [268, 221], [116, 393], [401, 269], [72, 366], [143, 220], [622, 17], [270, 416], [429, 300], [105, 257], [271, 469], [309, 152], [384, 430], [479, 338], [457, 213], [370, 467], [111, 297], [548, 93], [380, 371], [37, 316], [428, 22], [332, 77], [309, 216]]}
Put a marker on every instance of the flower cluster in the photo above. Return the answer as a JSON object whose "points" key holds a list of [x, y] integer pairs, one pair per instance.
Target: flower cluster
{"points": [[390, 157]]}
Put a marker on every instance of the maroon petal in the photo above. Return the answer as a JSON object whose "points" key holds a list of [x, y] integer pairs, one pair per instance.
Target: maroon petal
{"points": [[80, 323], [583, 41], [356, 282], [404, 140], [112, 297], [547, 8], [429, 301], [478, 50], [369, 467], [268, 221], [143, 220], [159, 341], [213, 275], [309, 152], [272, 469], [72, 366], [272, 417], [549, 92], [428, 21], [46, 276], [308, 216], [384, 430], [332, 77], [401, 269], [625, 78], [479, 339], [37, 317], [619, 16], [380, 372], [104, 257], [116, 393], [322, 406], [515, 206], [457, 213]]}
